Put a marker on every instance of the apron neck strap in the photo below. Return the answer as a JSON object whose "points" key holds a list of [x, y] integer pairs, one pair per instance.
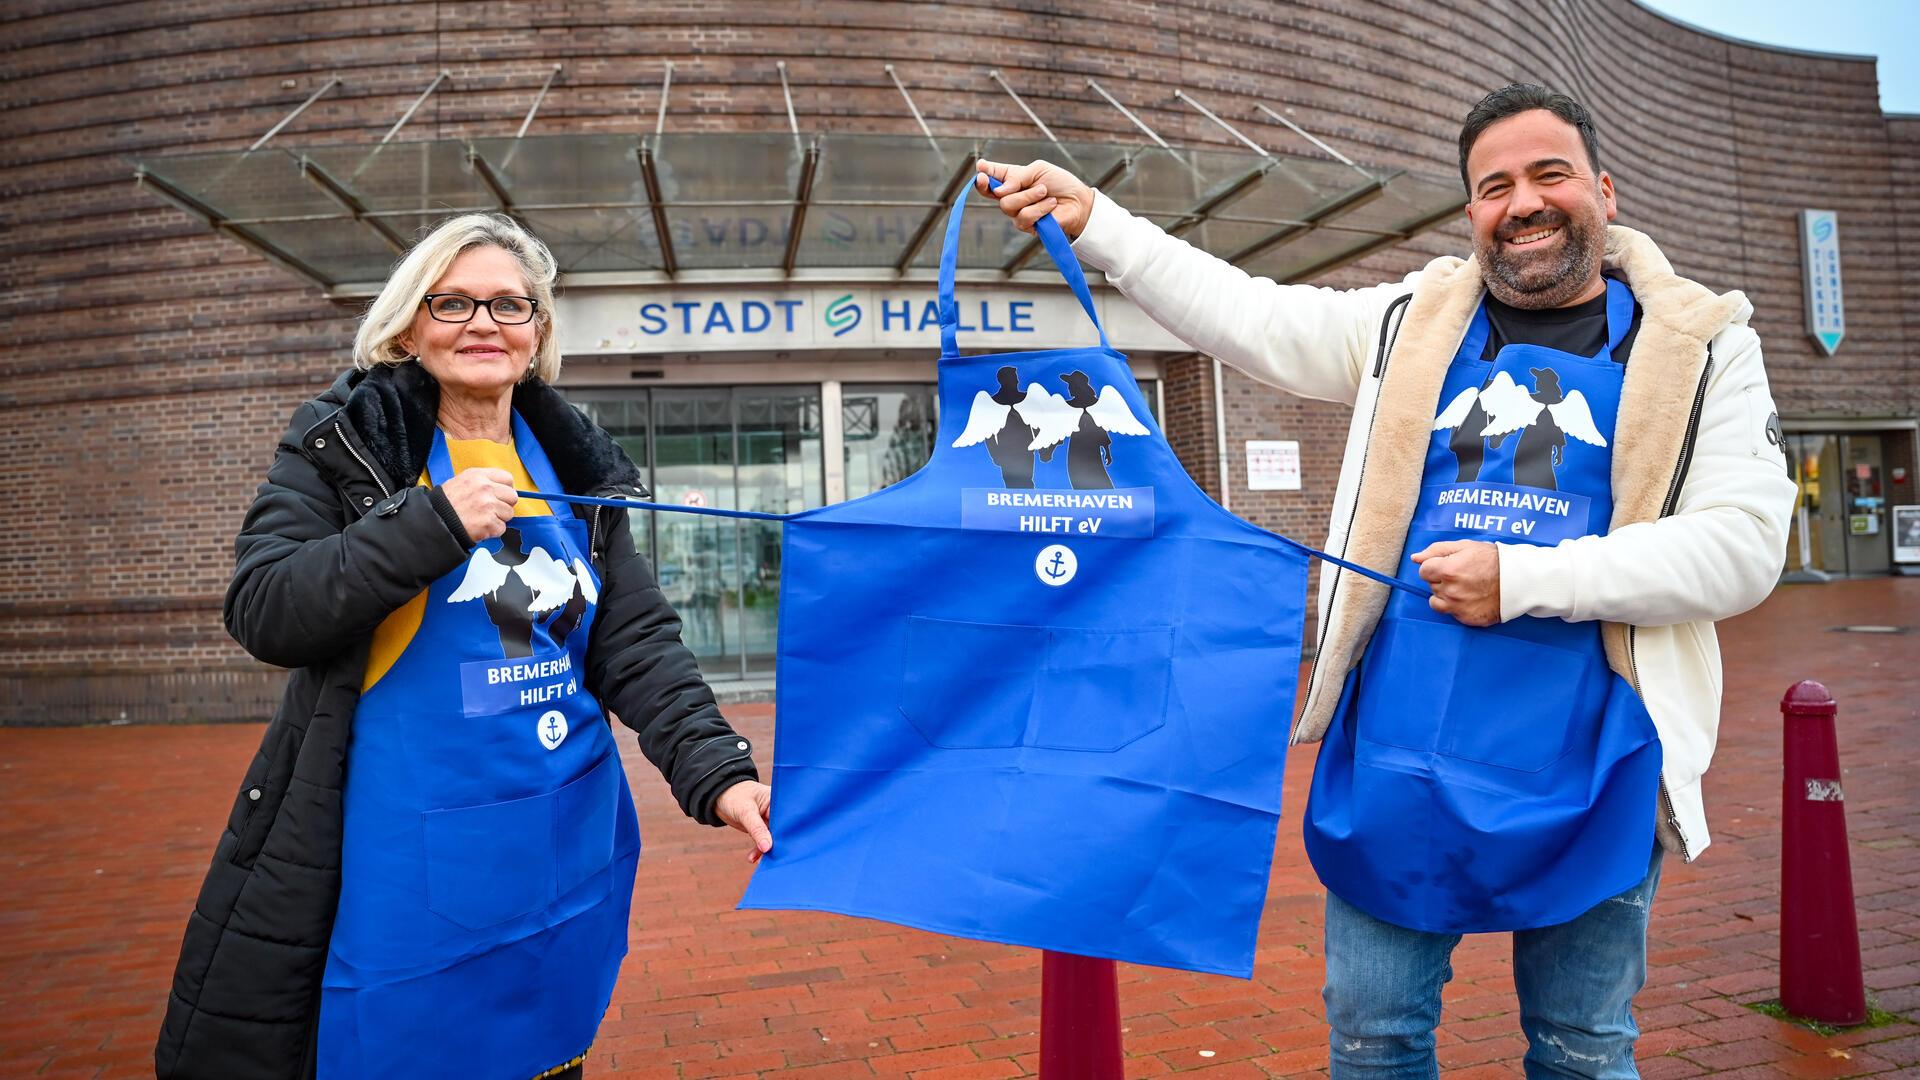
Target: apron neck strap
{"points": [[1052, 237], [532, 457], [1619, 321], [1619, 313], [1474, 345]]}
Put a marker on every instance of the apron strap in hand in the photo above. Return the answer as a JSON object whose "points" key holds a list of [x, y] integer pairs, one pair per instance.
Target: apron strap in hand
{"points": [[1052, 237]]}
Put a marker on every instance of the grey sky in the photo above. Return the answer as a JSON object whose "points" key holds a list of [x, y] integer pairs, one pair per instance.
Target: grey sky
{"points": [[1882, 28]]}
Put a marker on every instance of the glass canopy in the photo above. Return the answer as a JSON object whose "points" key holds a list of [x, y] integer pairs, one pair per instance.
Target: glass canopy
{"points": [[768, 205]]}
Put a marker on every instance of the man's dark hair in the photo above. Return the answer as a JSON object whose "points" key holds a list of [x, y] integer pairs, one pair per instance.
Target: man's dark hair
{"points": [[1518, 98]]}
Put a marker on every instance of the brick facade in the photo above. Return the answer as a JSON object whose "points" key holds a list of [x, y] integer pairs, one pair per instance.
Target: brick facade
{"points": [[151, 364]]}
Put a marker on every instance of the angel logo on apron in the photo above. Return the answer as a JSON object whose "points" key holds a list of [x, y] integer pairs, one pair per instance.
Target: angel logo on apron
{"points": [[1501, 778], [490, 839], [1037, 692]]}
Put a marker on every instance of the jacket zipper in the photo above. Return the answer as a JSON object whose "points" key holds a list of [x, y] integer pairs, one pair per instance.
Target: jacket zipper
{"points": [[1666, 508], [342, 436], [1333, 591]]}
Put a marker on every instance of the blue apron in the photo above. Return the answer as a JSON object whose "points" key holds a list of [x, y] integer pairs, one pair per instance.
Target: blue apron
{"points": [[1038, 692], [490, 839], [1501, 778]]}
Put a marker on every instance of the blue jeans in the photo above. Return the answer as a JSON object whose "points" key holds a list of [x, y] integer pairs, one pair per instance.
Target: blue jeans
{"points": [[1575, 982]]}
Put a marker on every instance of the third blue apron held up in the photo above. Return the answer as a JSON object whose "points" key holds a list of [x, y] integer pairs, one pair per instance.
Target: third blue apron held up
{"points": [[490, 839], [1037, 692], [1500, 778]]}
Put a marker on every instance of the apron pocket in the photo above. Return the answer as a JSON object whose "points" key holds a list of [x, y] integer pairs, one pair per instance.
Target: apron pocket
{"points": [[969, 686], [1401, 687], [583, 822], [1514, 702], [1101, 690], [1475, 695], [490, 863], [982, 686]]}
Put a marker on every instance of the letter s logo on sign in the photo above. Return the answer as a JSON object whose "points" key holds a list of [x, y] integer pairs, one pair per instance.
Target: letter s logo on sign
{"points": [[843, 315]]}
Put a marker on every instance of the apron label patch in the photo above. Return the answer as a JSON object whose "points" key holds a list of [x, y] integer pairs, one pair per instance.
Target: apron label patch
{"points": [[1056, 564], [490, 687], [1544, 517], [1123, 512]]}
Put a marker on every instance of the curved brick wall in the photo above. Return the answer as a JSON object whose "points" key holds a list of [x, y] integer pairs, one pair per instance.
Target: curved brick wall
{"points": [[152, 363]]}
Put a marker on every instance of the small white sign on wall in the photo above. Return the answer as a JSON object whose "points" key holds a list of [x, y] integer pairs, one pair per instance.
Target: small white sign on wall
{"points": [[1273, 465]]}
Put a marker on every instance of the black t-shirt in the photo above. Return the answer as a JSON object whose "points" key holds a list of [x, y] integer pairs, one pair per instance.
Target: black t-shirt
{"points": [[1580, 329]]}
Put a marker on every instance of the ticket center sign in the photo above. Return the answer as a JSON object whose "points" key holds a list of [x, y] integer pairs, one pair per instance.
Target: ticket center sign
{"points": [[616, 321], [1820, 250]]}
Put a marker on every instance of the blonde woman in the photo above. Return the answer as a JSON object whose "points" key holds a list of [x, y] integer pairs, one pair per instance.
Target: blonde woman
{"points": [[428, 868]]}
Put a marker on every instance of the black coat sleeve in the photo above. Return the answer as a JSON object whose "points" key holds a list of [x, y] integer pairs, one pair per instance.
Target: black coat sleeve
{"points": [[307, 584], [641, 672]]}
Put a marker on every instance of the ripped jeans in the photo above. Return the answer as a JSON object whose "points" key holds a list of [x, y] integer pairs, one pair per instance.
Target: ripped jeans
{"points": [[1575, 981]]}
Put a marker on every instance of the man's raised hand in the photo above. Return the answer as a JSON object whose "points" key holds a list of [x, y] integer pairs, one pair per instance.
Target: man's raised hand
{"points": [[1028, 193]]}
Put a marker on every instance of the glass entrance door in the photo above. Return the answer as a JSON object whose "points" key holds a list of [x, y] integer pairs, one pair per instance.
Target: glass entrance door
{"points": [[1840, 525], [735, 448]]}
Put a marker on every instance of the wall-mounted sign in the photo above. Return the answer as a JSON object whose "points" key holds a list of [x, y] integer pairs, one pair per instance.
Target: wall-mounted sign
{"points": [[721, 318], [1906, 534], [1820, 262], [1273, 465]]}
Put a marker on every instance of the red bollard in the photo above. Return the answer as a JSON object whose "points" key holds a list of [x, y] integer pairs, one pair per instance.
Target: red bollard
{"points": [[1079, 1018], [1819, 938]]}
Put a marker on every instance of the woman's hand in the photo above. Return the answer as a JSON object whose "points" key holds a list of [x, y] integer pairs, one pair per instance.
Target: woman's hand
{"points": [[484, 500], [745, 806]]}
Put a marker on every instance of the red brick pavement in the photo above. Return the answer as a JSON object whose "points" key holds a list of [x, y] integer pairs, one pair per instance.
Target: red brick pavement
{"points": [[106, 832]]}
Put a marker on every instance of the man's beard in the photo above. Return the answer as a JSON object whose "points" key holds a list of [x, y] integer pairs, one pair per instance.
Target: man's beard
{"points": [[1537, 283]]}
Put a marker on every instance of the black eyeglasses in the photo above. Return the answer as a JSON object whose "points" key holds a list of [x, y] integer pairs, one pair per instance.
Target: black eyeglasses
{"points": [[459, 308]]}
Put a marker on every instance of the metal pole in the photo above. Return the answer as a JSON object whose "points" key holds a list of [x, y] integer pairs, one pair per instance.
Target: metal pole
{"points": [[275, 130], [537, 99], [1128, 113], [666, 87], [793, 125], [415, 107], [915, 109], [528, 122], [994, 74], [1230, 129], [1307, 135], [801, 197], [650, 175]]}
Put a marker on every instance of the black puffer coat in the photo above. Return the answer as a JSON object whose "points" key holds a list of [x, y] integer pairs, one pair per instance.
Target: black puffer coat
{"points": [[338, 537]]}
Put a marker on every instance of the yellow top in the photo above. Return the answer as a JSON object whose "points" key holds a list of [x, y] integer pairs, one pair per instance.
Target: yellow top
{"points": [[394, 633]]}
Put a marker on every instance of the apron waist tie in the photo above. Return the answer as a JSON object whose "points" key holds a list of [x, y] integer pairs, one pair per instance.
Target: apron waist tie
{"points": [[756, 515]]}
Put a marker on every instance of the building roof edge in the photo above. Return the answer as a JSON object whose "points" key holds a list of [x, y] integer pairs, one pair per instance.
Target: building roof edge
{"points": [[1730, 39]]}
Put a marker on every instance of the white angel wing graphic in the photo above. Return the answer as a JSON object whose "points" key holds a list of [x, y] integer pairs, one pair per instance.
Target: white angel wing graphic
{"points": [[548, 577], [1456, 411], [585, 576], [1111, 413], [1050, 415], [1574, 418], [484, 576], [984, 422], [1509, 406]]}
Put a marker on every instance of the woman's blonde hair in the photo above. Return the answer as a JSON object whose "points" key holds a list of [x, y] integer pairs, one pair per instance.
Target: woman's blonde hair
{"points": [[391, 313]]}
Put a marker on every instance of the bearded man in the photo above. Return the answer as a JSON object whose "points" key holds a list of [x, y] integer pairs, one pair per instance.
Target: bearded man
{"points": [[1567, 443]]}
